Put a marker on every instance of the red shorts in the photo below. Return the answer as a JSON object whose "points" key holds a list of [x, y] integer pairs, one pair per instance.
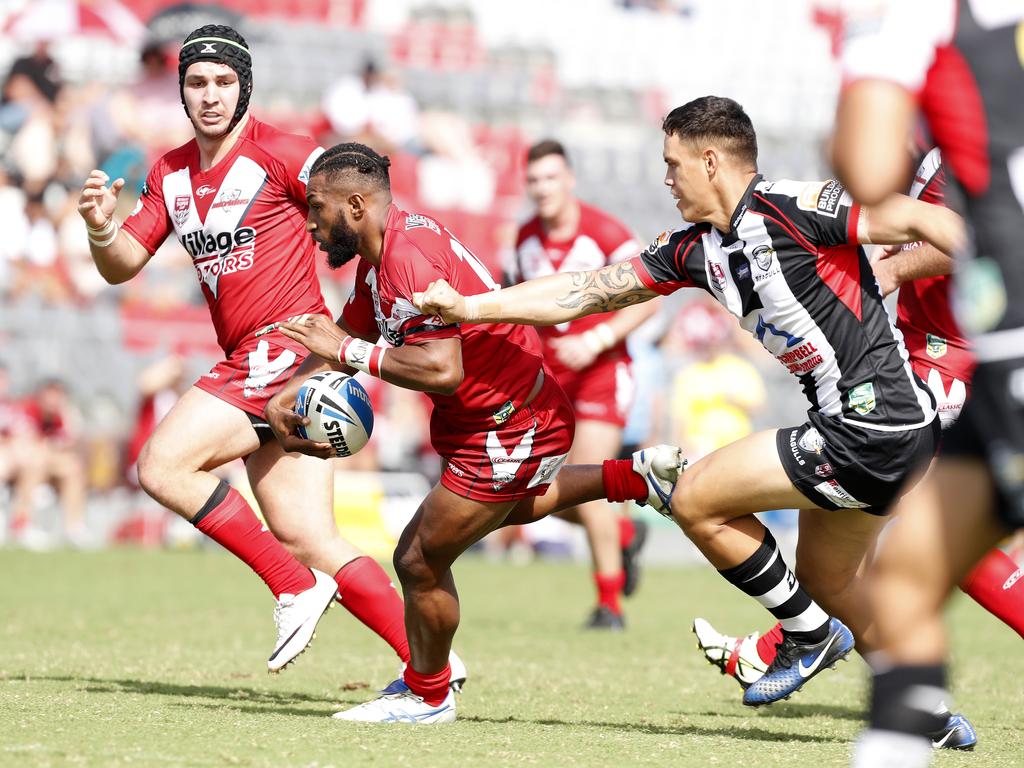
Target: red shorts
{"points": [[254, 373], [513, 460], [600, 392], [950, 392]]}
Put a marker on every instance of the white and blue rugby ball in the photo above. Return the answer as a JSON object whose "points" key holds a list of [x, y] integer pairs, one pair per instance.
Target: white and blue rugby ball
{"points": [[339, 412]]}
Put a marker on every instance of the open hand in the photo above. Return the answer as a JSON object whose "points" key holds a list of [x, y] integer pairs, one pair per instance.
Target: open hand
{"points": [[97, 202], [317, 333]]}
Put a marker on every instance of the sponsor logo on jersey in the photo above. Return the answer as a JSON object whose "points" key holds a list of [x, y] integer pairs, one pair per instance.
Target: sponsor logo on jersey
{"points": [[209, 48], [1013, 578], [824, 470], [310, 159], [831, 489], [717, 275], [204, 190], [661, 240], [812, 441], [455, 470], [182, 205], [807, 200], [763, 255], [801, 360], [417, 220], [935, 346], [742, 271], [549, 467], [862, 398], [230, 199], [220, 254], [829, 198], [504, 413]]}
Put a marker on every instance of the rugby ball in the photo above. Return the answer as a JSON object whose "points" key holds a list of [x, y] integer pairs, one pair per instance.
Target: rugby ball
{"points": [[339, 412]]}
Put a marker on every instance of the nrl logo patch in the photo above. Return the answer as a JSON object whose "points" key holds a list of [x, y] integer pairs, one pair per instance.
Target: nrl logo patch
{"points": [[862, 398]]}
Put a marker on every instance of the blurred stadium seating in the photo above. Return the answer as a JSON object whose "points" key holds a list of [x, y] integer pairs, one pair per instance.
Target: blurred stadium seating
{"points": [[486, 80]]}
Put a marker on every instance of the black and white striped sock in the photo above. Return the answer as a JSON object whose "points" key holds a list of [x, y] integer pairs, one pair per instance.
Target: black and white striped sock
{"points": [[766, 578]]}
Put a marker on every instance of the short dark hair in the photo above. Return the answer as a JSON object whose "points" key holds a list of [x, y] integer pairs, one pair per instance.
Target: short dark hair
{"points": [[718, 119], [358, 159], [544, 148]]}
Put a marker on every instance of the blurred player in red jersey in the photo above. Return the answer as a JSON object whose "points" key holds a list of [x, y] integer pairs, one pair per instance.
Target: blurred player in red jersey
{"points": [[959, 64], [235, 199], [587, 356], [500, 420]]}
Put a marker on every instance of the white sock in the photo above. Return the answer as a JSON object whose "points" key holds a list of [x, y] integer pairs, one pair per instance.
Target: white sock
{"points": [[889, 749]]}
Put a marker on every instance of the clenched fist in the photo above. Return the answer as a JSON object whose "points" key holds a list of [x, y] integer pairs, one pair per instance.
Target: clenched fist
{"points": [[442, 300]]}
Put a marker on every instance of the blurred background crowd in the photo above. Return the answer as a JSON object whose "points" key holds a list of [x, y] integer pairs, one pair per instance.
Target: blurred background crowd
{"points": [[454, 91]]}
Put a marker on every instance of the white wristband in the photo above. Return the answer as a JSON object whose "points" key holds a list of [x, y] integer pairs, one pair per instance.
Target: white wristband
{"points": [[599, 338], [106, 229], [485, 307], [103, 242], [361, 355]]}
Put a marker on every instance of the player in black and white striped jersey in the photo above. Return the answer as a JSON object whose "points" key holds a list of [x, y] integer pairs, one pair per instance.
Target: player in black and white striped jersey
{"points": [[784, 258]]}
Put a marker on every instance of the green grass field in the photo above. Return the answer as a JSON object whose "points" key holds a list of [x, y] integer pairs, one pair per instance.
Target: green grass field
{"points": [[137, 658]]}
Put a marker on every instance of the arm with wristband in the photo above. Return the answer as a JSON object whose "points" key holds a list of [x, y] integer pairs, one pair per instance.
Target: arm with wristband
{"points": [[430, 365], [118, 255]]}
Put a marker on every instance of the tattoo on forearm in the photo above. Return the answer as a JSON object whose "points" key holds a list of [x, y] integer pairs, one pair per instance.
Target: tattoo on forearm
{"points": [[613, 287]]}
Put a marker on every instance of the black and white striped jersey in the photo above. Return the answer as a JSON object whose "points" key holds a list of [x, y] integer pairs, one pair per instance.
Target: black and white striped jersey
{"points": [[790, 269]]}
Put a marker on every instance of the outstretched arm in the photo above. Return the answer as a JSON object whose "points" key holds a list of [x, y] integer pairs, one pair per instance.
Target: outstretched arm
{"points": [[545, 301], [906, 264], [901, 219]]}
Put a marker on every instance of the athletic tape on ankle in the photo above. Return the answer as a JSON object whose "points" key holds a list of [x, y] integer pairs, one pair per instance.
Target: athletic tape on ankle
{"points": [[361, 355]]}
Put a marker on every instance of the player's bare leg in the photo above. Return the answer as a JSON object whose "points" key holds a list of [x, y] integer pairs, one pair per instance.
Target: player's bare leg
{"points": [[940, 530], [831, 554], [305, 524], [714, 503], [202, 432], [594, 442]]}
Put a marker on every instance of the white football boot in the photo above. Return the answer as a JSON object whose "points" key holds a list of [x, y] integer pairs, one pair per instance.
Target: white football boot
{"points": [[397, 704], [660, 466], [734, 656], [296, 617]]}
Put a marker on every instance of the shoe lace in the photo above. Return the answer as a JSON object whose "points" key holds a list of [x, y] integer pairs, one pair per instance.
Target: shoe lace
{"points": [[785, 653]]}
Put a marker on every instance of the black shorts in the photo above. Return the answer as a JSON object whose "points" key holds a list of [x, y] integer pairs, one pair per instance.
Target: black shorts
{"points": [[991, 429], [263, 430], [842, 466]]}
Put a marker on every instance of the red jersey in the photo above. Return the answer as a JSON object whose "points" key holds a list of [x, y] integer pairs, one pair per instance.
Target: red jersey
{"points": [[923, 311], [600, 240], [500, 361], [243, 222]]}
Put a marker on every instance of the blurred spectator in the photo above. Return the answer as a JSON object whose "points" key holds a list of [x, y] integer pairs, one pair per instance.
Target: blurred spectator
{"points": [[373, 109], [454, 173], [55, 421], [160, 384], [19, 459], [27, 106], [713, 397]]}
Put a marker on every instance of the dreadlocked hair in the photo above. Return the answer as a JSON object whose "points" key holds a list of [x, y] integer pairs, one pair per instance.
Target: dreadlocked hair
{"points": [[355, 158]]}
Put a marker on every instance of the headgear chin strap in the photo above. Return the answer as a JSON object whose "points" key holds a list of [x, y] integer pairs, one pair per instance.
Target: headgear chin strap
{"points": [[221, 44]]}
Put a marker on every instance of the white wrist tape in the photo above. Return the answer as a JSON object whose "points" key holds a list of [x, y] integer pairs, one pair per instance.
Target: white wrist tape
{"points": [[483, 307], [104, 236], [361, 355], [599, 338]]}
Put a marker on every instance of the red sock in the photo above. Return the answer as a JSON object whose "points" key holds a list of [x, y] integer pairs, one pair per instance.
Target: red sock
{"points": [[627, 530], [608, 589], [621, 483], [997, 585], [227, 519], [433, 689], [366, 591], [768, 642]]}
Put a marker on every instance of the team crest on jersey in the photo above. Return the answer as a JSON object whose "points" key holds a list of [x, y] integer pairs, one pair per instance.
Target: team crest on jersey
{"points": [[935, 346], [717, 276], [862, 398], [763, 255], [182, 205], [811, 441], [416, 220]]}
